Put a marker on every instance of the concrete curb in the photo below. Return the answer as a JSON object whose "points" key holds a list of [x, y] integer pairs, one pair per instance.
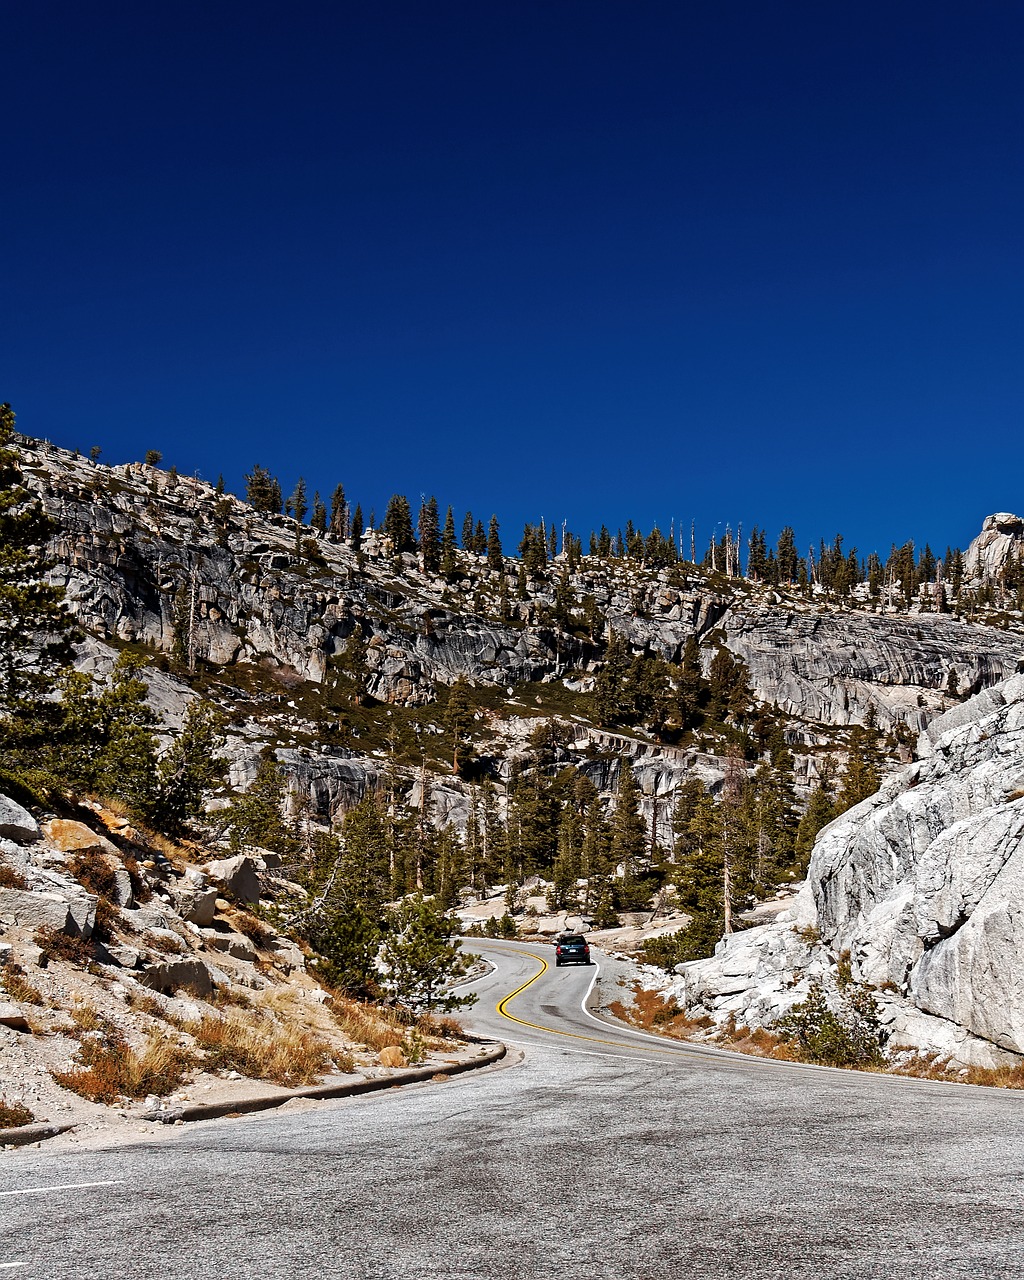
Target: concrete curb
{"points": [[319, 1092], [27, 1133]]}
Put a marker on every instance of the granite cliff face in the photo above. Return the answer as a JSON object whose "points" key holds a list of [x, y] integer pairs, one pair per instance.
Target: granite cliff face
{"points": [[921, 886]]}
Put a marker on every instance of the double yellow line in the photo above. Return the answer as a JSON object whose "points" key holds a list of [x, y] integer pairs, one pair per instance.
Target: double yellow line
{"points": [[502, 1008]]}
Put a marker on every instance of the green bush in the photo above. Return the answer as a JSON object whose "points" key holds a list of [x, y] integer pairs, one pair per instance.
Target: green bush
{"points": [[841, 1033]]}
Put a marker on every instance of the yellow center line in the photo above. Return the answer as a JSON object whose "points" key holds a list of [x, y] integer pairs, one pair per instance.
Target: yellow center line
{"points": [[502, 1008]]}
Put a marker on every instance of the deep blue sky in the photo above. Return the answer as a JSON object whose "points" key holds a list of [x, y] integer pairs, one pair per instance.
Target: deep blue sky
{"points": [[597, 261]]}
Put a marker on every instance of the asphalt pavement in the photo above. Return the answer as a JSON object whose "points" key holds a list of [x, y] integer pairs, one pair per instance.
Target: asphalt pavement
{"points": [[592, 1153]]}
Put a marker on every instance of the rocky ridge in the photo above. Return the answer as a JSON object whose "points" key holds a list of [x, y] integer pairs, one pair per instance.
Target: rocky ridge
{"points": [[150, 559]]}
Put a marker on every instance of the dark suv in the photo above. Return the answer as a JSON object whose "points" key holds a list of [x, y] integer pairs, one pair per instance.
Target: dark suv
{"points": [[571, 948]]}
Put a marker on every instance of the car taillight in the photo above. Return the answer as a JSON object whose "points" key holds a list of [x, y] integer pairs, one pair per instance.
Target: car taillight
{"points": [[558, 951]]}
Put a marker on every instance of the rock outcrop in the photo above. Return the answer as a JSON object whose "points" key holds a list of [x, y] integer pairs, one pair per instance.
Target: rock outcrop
{"points": [[1000, 542], [920, 888]]}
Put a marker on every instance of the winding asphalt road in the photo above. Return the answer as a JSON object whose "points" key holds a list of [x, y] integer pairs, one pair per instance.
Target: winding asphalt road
{"points": [[596, 1153]]}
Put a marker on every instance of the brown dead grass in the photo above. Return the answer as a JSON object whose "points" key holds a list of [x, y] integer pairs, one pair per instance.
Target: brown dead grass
{"points": [[254, 1044], [652, 1012], [932, 1066]]}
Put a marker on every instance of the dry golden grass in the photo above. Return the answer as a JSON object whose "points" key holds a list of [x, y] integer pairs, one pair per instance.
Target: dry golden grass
{"points": [[652, 1012], [142, 1002], [932, 1066], [370, 1025], [253, 928], [17, 986], [256, 1045]]}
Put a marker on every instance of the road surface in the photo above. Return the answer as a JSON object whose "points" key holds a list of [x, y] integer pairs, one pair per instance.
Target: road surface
{"points": [[601, 1154]]}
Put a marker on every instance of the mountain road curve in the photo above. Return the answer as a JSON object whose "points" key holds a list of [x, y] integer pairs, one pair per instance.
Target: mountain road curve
{"points": [[597, 1153]]}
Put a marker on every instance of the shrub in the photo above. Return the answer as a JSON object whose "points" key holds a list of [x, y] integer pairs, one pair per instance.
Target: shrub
{"points": [[697, 941], [108, 1068], [843, 1033], [56, 945], [14, 1114], [11, 879], [93, 871]]}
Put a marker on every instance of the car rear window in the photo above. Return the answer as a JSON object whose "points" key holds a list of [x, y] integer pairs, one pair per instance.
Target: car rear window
{"points": [[572, 942]]}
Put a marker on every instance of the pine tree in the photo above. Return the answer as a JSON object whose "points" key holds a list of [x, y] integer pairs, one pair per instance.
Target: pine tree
{"points": [[430, 535], [262, 491], [35, 629], [296, 505], [319, 518], [339, 512], [190, 768], [495, 561], [467, 532], [458, 721], [257, 817], [398, 525], [628, 840], [421, 957], [449, 555], [610, 692]]}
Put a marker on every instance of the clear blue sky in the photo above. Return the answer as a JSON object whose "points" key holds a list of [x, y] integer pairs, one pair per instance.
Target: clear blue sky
{"points": [[597, 261]]}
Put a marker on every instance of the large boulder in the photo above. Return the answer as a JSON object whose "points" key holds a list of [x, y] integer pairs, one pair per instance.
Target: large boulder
{"points": [[75, 837], [1001, 540], [169, 976], [921, 888], [71, 914], [16, 823], [238, 875]]}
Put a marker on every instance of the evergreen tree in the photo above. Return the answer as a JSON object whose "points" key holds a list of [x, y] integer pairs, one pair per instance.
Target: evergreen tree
{"points": [[190, 768], [495, 562], [339, 512], [35, 630], [421, 957], [319, 520], [449, 557], [257, 817], [467, 532], [297, 505], [785, 555], [862, 775], [563, 894], [262, 491], [611, 696], [692, 690], [459, 721], [430, 536], [628, 840], [398, 525]]}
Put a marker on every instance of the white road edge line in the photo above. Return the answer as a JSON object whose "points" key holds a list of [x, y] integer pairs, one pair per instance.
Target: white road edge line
{"points": [[643, 1035], [64, 1186]]}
